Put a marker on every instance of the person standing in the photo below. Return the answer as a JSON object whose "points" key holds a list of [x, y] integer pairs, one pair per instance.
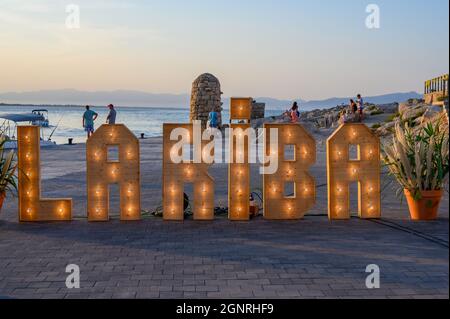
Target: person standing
{"points": [[213, 119], [353, 107], [295, 114], [111, 119], [360, 103], [89, 117]]}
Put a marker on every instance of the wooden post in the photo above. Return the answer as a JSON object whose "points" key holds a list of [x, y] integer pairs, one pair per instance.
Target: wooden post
{"points": [[239, 165], [239, 173], [33, 208]]}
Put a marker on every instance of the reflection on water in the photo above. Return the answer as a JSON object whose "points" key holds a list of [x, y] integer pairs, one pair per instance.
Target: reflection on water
{"points": [[140, 120]]}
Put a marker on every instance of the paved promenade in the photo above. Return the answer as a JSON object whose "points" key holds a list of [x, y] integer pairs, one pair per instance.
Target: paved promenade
{"points": [[152, 259], [312, 258]]}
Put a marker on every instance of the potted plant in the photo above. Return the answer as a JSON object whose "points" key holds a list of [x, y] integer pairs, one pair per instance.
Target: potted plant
{"points": [[418, 158], [8, 165]]}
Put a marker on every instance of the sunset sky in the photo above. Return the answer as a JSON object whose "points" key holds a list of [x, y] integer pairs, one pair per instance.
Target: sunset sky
{"points": [[282, 49]]}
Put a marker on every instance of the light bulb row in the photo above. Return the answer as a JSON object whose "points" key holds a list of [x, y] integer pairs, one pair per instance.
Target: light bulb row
{"points": [[370, 153], [340, 190]]}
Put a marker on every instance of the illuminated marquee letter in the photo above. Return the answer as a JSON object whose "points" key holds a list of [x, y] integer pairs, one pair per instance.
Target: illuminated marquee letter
{"points": [[363, 168], [239, 172], [103, 171], [176, 174], [32, 208], [239, 166], [279, 202]]}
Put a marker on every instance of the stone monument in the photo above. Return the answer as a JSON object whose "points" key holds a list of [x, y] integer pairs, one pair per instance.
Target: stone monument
{"points": [[205, 98]]}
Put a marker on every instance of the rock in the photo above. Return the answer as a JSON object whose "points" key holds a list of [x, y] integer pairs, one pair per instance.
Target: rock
{"points": [[386, 129], [412, 112], [258, 110], [390, 108], [431, 113]]}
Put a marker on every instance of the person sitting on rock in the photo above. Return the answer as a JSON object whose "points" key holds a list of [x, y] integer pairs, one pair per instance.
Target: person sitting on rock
{"points": [[294, 113]]}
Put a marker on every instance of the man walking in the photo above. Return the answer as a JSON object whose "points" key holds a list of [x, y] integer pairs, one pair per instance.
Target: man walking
{"points": [[89, 117], [111, 119]]}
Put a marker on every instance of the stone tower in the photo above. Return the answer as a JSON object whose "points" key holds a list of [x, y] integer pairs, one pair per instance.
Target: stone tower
{"points": [[205, 98]]}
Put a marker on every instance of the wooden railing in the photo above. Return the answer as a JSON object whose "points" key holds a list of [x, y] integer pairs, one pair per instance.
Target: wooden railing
{"points": [[436, 90]]}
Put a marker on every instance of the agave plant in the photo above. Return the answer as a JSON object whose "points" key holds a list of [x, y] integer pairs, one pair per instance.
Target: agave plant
{"points": [[8, 166], [419, 158]]}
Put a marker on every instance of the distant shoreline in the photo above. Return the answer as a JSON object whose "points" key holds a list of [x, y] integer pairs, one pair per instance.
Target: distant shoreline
{"points": [[82, 106], [117, 106]]}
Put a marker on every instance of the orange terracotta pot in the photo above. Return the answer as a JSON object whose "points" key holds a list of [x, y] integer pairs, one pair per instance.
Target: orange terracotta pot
{"points": [[2, 198], [426, 208]]}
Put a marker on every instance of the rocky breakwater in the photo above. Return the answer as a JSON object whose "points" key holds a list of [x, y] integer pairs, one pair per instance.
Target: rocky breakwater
{"points": [[414, 112]]}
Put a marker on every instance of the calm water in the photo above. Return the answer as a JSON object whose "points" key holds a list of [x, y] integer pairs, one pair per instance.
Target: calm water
{"points": [[138, 119]]}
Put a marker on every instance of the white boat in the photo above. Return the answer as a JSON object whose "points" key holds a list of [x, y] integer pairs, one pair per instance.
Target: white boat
{"points": [[43, 120], [9, 123]]}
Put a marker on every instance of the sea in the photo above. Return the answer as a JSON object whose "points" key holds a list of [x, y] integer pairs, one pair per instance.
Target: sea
{"points": [[66, 121]]}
